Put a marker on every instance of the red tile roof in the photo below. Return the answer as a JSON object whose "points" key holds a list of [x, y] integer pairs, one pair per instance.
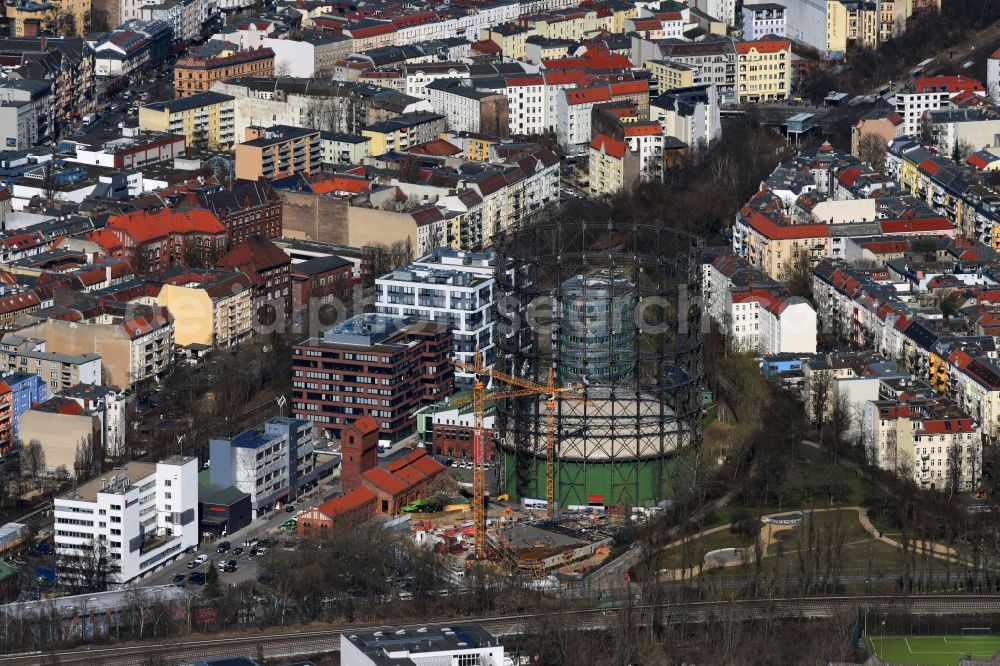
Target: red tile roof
{"points": [[770, 229], [922, 225], [486, 46], [949, 83], [385, 481], [774, 45], [352, 501], [339, 183], [143, 226], [609, 146]]}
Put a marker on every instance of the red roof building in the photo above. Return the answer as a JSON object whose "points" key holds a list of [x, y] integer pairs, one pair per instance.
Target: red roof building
{"points": [[158, 240]]}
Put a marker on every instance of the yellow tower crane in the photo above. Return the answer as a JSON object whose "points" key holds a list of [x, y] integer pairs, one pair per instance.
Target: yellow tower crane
{"points": [[525, 388]]}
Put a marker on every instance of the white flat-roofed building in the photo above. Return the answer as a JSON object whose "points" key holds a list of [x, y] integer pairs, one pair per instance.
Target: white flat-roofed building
{"points": [[447, 286], [128, 522], [459, 645]]}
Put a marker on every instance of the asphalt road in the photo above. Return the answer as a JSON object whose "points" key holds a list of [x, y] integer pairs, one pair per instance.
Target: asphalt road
{"points": [[266, 526]]}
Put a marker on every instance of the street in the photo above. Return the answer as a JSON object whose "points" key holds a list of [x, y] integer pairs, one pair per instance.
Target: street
{"points": [[264, 527]]}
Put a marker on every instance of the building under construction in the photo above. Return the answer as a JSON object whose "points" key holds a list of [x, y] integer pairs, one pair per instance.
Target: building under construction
{"points": [[614, 309]]}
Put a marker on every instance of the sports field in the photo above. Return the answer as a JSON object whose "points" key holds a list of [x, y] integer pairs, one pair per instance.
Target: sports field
{"points": [[933, 650]]}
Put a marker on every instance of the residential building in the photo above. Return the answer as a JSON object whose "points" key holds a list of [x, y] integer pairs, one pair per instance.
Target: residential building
{"points": [[107, 404], [204, 119], [340, 148], [714, 57], [612, 167], [322, 288], [764, 70], [883, 123], [690, 114], [278, 151], [448, 286], [30, 18], [26, 113], [929, 441], [669, 75], [467, 109], [27, 390], [930, 94], [122, 53], [756, 313], [267, 266], [135, 342], [155, 241], [272, 463], [403, 131], [196, 74], [960, 131], [211, 308], [993, 76], [761, 20], [398, 363], [460, 644], [138, 519], [59, 371], [245, 208]]}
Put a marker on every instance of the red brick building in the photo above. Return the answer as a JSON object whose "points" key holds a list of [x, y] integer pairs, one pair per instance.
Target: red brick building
{"points": [[247, 208], [318, 282], [155, 241], [267, 266], [402, 481], [376, 365], [455, 441], [358, 452], [340, 513]]}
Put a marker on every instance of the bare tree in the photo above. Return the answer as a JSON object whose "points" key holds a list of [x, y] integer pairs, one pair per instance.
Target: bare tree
{"points": [[872, 149], [89, 458], [954, 472], [33, 458]]}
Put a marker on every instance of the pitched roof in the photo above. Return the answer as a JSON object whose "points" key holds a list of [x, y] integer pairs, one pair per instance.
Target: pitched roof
{"points": [[143, 226], [256, 253], [609, 146]]}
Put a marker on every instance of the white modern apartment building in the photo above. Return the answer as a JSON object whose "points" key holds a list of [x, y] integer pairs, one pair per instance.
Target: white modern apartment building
{"points": [[269, 463], [912, 106], [133, 520], [762, 20], [453, 286]]}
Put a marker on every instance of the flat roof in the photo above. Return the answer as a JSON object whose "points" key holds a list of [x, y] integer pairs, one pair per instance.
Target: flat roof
{"points": [[416, 640], [117, 481]]}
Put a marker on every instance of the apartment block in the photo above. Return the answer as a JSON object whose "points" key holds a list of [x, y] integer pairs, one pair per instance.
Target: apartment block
{"points": [[451, 287], [271, 463], [204, 119], [277, 151], [137, 518], [195, 74], [764, 70], [382, 366]]}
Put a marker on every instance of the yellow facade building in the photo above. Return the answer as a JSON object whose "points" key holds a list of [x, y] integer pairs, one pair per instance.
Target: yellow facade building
{"points": [[670, 75], [205, 119], [763, 70]]}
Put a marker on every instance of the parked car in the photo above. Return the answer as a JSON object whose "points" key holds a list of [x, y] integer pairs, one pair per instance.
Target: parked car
{"points": [[201, 559], [229, 569], [253, 552], [223, 547], [237, 551], [197, 577], [179, 578], [232, 563], [193, 564], [289, 508]]}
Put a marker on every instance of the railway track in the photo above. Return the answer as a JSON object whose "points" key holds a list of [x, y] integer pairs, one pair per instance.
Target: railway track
{"points": [[291, 643]]}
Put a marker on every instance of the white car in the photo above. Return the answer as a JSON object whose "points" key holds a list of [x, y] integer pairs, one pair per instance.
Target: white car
{"points": [[201, 559]]}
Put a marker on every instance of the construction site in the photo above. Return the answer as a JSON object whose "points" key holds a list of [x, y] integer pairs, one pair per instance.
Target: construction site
{"points": [[567, 546]]}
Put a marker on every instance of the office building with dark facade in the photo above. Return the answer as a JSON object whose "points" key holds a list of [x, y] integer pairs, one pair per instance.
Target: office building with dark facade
{"points": [[382, 366]]}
